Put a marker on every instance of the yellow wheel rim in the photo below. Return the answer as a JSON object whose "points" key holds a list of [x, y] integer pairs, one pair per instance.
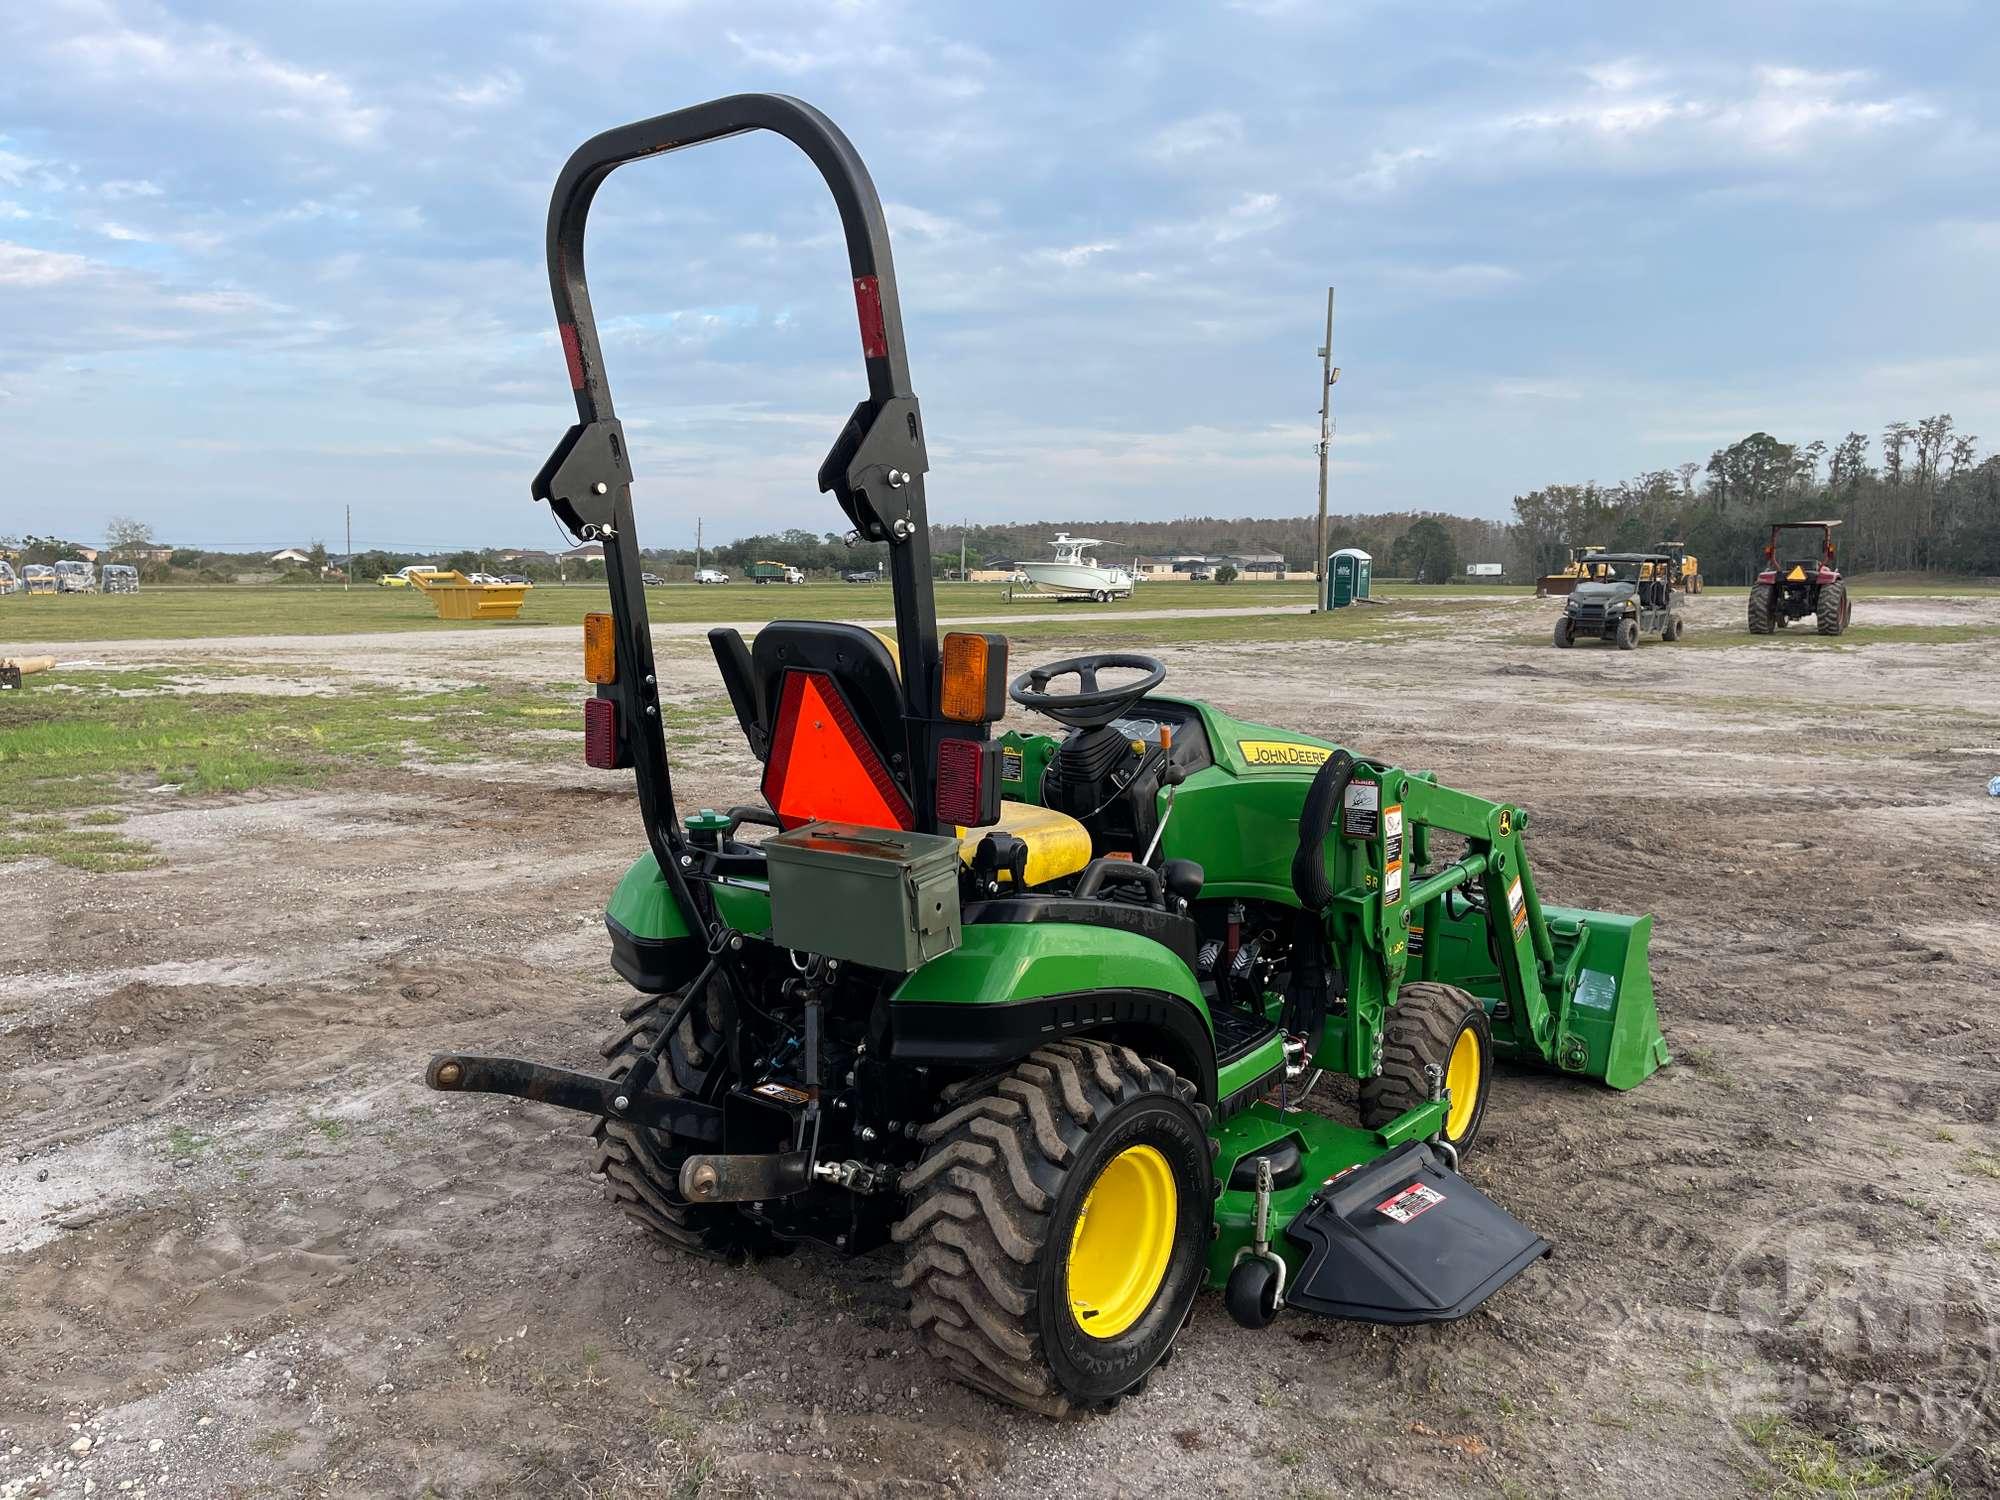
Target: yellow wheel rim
{"points": [[1463, 1076], [1122, 1242]]}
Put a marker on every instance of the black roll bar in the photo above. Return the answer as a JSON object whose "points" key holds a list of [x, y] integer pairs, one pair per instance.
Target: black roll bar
{"points": [[875, 467]]}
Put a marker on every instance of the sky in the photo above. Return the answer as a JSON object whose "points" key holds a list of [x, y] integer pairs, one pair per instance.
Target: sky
{"points": [[260, 265]]}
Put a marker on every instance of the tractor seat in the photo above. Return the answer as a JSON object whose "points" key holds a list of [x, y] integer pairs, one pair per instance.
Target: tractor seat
{"points": [[1058, 844]]}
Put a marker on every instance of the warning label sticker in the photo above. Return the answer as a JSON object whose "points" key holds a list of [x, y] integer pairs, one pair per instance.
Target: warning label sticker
{"points": [[1361, 810], [1281, 753], [1392, 850], [1416, 940], [782, 1093], [1417, 1198], [1517, 906], [1010, 764]]}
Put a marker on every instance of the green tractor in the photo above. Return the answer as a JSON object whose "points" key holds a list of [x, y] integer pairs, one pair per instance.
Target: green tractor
{"points": [[1038, 1012]]}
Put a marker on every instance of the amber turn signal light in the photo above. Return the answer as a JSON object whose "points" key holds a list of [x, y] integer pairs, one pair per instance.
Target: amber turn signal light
{"points": [[974, 688], [600, 649]]}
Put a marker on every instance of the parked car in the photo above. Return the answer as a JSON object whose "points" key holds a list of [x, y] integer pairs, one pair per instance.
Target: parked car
{"points": [[652, 580], [400, 579], [710, 575], [860, 575], [520, 578]]}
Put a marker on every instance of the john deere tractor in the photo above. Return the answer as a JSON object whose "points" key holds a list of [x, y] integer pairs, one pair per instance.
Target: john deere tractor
{"points": [[1799, 581], [1036, 1011]]}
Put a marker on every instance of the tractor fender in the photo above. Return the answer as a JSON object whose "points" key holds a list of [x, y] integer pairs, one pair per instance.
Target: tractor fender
{"points": [[1011, 987]]}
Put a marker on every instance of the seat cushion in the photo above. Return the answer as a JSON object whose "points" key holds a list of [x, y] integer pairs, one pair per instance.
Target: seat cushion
{"points": [[1058, 844]]}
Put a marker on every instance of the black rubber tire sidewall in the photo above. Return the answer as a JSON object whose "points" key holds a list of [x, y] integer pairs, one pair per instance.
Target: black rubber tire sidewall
{"points": [[1094, 1370]]}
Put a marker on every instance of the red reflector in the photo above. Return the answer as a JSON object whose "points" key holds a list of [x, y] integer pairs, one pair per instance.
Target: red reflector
{"points": [[822, 764], [959, 767], [572, 355], [868, 302], [600, 734]]}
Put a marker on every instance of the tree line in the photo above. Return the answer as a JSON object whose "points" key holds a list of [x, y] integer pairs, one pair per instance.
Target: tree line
{"points": [[1919, 499]]}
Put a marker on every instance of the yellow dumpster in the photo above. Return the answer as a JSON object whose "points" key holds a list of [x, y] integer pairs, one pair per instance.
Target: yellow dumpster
{"points": [[459, 598]]}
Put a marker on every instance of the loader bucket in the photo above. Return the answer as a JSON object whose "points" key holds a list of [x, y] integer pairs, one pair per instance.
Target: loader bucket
{"points": [[1611, 1030]]}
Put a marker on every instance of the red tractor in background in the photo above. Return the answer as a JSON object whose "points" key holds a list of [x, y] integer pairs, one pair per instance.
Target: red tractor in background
{"points": [[1799, 580]]}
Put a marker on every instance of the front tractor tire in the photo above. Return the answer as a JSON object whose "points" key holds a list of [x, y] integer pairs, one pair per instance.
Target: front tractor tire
{"points": [[1833, 610], [640, 1166], [1433, 1025], [1763, 607], [1058, 1227]]}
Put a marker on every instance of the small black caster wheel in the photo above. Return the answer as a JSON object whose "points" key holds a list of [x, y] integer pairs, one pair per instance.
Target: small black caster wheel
{"points": [[1251, 1293]]}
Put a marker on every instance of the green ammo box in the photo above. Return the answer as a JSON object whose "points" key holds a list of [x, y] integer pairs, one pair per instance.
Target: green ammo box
{"points": [[874, 896]]}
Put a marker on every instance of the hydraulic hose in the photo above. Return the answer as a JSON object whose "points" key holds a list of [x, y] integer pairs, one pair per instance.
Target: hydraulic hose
{"points": [[1322, 806]]}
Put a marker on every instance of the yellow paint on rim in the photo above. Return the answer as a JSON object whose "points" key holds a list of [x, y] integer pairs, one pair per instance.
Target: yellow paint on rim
{"points": [[1122, 1241], [1462, 1077]]}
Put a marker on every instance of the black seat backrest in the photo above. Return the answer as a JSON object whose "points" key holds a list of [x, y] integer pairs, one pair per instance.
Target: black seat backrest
{"points": [[851, 660]]}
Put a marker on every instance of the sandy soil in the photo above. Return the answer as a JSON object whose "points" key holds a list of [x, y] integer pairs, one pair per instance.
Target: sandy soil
{"points": [[243, 1252]]}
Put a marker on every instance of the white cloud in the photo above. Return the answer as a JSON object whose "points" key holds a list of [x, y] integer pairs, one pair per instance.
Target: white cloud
{"points": [[1252, 214], [1771, 110], [495, 89], [1077, 255], [1468, 280], [1203, 135], [214, 63], [25, 266]]}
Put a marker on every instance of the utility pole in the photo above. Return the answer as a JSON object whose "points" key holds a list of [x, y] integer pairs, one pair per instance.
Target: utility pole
{"points": [[697, 546], [962, 527], [347, 573], [1329, 373]]}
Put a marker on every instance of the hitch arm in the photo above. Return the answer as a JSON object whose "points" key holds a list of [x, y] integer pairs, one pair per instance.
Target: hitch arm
{"points": [[470, 1073]]}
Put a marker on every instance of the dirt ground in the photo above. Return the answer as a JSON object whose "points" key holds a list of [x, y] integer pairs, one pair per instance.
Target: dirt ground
{"points": [[244, 1253]]}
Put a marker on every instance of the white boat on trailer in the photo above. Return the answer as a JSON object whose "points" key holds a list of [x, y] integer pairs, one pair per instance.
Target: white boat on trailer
{"points": [[1072, 575]]}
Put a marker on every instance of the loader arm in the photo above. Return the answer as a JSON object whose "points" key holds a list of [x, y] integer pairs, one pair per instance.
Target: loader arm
{"points": [[1572, 993]]}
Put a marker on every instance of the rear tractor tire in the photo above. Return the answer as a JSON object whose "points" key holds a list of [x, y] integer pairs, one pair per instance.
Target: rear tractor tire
{"points": [[641, 1166], [1833, 611], [1564, 636], [1433, 1025], [1763, 605], [1059, 1226], [1628, 635]]}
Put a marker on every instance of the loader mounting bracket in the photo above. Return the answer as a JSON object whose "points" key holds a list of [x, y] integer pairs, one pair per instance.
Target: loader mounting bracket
{"points": [[873, 465], [583, 477], [470, 1073]]}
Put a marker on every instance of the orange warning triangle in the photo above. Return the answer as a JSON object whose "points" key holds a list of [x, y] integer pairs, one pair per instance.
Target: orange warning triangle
{"points": [[822, 765]]}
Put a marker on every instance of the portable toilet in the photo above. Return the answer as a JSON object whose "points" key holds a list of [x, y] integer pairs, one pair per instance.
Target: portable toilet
{"points": [[1347, 576]]}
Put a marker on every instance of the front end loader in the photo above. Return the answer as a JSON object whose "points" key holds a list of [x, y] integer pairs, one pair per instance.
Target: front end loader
{"points": [[1037, 1011]]}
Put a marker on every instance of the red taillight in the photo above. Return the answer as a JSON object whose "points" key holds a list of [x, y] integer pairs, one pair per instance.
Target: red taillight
{"points": [[968, 786], [600, 734]]}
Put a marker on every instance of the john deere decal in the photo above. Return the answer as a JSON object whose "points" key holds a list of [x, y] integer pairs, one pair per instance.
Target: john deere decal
{"points": [[1281, 753]]}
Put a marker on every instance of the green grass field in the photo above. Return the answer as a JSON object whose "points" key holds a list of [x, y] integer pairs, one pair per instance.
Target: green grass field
{"points": [[191, 613]]}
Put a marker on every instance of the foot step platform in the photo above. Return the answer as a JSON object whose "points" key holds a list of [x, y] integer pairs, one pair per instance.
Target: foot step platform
{"points": [[1404, 1239]]}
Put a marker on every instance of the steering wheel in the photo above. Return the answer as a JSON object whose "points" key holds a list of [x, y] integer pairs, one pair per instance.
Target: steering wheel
{"points": [[1090, 706]]}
